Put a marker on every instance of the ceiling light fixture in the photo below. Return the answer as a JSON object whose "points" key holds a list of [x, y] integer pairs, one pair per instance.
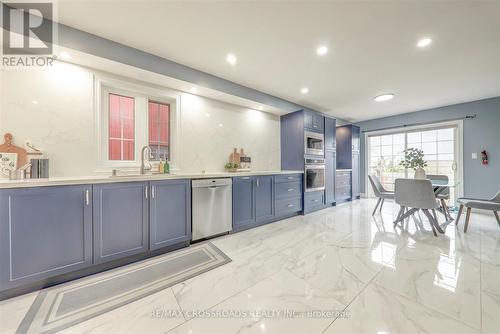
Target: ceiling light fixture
{"points": [[65, 55], [231, 59], [322, 50], [384, 97], [424, 42], [34, 102], [304, 90]]}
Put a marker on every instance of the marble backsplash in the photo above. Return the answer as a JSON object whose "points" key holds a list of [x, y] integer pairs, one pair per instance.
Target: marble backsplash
{"points": [[53, 108]]}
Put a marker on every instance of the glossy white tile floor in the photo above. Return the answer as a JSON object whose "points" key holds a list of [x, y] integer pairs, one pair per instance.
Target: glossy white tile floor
{"points": [[339, 270]]}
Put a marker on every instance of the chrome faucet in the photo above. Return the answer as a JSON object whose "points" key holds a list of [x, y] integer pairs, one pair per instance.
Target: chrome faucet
{"points": [[145, 165]]}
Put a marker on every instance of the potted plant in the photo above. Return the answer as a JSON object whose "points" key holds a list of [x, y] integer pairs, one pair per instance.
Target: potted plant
{"points": [[232, 166], [414, 159]]}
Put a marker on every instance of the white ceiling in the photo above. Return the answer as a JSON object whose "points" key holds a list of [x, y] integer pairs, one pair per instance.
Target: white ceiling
{"points": [[372, 47]]}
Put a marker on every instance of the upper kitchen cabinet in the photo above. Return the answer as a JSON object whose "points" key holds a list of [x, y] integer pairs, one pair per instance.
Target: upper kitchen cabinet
{"points": [[44, 232], [330, 134], [120, 220], [169, 213], [348, 141], [348, 155], [314, 121]]}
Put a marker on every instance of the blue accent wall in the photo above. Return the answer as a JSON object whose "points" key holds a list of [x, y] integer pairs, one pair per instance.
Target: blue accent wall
{"points": [[480, 133]]}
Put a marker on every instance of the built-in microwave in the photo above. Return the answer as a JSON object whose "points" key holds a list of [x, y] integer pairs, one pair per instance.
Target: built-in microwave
{"points": [[314, 143], [314, 174]]}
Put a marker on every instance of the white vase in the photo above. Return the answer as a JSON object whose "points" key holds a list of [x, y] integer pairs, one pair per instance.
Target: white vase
{"points": [[420, 174]]}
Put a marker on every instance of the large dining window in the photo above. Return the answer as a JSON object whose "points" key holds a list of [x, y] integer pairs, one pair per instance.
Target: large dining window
{"points": [[439, 143], [121, 127], [159, 130]]}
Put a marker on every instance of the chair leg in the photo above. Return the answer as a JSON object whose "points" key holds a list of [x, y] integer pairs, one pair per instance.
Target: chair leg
{"points": [[459, 213], [498, 218], [401, 211], [444, 207], [467, 217], [431, 221], [381, 205], [376, 206], [435, 216]]}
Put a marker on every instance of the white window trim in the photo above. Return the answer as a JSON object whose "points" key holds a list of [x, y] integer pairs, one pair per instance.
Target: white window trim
{"points": [[460, 149], [142, 94]]}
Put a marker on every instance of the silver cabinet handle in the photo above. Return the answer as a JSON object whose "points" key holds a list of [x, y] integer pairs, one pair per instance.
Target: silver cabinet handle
{"points": [[290, 177], [245, 178], [315, 126], [257, 182], [315, 200], [291, 189], [153, 191], [87, 197], [290, 206], [146, 192]]}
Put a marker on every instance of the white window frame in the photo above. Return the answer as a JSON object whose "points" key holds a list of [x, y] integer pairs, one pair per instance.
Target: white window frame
{"points": [[459, 147], [104, 85]]}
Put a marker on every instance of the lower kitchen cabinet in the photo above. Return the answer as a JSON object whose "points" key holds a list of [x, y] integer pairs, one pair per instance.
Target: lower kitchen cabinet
{"points": [[314, 200], [44, 232], [170, 213], [243, 202], [259, 200], [264, 198], [330, 166], [120, 220]]}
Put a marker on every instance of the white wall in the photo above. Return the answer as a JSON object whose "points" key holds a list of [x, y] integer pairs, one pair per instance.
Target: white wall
{"points": [[62, 124]]}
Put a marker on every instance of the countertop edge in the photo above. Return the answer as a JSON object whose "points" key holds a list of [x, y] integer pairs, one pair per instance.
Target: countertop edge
{"points": [[64, 181]]}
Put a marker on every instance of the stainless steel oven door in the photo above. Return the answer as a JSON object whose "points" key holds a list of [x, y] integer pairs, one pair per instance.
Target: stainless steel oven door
{"points": [[315, 177], [314, 143]]}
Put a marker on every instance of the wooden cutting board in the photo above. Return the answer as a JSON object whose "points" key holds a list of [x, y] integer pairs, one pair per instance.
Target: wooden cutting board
{"points": [[9, 147]]}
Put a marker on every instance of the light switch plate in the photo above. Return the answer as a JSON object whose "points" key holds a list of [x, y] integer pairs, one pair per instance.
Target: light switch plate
{"points": [[474, 156]]}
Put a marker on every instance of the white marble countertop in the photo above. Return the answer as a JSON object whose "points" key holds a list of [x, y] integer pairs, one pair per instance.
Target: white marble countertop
{"points": [[61, 181]]}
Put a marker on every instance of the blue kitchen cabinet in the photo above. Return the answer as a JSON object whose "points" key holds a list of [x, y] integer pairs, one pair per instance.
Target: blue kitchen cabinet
{"points": [[169, 213], [264, 198], [330, 134], [44, 232], [330, 168], [243, 202], [120, 220], [314, 121]]}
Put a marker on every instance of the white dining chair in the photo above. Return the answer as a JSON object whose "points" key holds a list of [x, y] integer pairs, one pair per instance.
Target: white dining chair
{"points": [[444, 195], [414, 195], [380, 192]]}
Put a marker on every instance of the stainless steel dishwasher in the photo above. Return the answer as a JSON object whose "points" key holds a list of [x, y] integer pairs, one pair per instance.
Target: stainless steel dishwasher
{"points": [[212, 207]]}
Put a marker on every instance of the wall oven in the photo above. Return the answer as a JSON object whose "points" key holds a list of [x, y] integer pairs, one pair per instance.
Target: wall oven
{"points": [[314, 143], [314, 174]]}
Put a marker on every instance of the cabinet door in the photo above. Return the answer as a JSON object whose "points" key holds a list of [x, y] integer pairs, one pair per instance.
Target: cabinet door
{"points": [[330, 163], [308, 120], [44, 232], [330, 129], [243, 202], [318, 122], [355, 176], [264, 198], [356, 138], [120, 220], [169, 213]]}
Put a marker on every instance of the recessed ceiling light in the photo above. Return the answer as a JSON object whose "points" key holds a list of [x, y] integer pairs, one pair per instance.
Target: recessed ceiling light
{"points": [[384, 97], [221, 125], [322, 50], [231, 59], [424, 42], [304, 90], [34, 102], [65, 55]]}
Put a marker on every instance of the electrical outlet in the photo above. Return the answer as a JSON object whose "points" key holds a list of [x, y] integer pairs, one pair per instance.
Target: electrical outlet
{"points": [[474, 156]]}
